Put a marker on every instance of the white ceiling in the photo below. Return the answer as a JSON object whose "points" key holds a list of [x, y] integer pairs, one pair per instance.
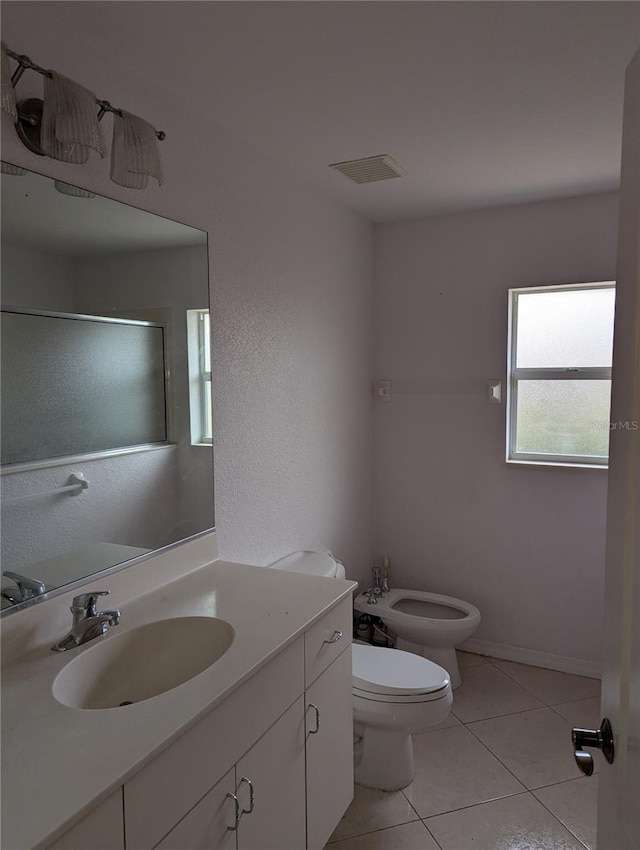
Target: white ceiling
{"points": [[483, 103]]}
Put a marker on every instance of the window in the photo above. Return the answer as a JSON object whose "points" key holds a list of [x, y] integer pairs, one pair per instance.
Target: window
{"points": [[559, 374], [98, 382], [199, 345]]}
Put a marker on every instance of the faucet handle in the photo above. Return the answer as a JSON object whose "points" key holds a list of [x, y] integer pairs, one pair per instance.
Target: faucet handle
{"points": [[86, 603], [28, 587]]}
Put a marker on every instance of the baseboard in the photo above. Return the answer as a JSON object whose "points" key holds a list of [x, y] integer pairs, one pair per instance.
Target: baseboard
{"points": [[506, 652]]}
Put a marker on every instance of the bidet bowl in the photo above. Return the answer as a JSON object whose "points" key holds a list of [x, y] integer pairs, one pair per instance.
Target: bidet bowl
{"points": [[428, 624], [428, 619], [142, 663]]}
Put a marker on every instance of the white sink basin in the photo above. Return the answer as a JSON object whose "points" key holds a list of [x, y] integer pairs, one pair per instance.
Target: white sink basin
{"points": [[143, 662]]}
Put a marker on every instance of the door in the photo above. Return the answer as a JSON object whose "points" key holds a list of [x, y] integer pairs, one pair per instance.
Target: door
{"points": [[270, 787], [210, 824], [618, 809], [329, 720]]}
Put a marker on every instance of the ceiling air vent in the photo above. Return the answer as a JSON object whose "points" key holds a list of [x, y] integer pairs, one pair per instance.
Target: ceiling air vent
{"points": [[371, 169]]}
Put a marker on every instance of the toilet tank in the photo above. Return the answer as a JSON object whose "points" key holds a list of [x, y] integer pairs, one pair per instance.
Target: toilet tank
{"points": [[312, 563]]}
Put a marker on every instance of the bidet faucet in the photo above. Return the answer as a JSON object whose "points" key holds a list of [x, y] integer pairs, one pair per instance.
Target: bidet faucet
{"points": [[88, 623]]}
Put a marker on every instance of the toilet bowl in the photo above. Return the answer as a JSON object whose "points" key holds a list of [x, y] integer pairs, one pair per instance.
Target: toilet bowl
{"points": [[395, 694], [427, 624]]}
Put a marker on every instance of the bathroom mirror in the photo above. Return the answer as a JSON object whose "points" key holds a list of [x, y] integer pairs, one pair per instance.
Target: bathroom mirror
{"points": [[106, 385]]}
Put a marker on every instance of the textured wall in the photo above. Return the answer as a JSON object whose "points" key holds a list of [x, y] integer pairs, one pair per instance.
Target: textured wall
{"points": [[291, 301], [115, 509], [525, 544]]}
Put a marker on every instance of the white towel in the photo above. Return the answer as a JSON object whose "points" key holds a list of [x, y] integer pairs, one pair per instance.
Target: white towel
{"points": [[70, 126], [8, 92], [134, 152]]}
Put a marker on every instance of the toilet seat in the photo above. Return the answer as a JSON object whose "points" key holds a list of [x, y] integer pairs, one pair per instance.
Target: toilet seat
{"points": [[396, 699], [391, 675]]}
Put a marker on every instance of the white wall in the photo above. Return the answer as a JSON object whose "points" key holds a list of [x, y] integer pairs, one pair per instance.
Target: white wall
{"points": [[36, 279], [526, 545], [291, 306], [115, 509]]}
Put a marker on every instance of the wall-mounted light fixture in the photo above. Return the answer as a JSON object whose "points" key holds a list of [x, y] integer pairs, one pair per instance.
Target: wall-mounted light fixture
{"points": [[64, 125]]}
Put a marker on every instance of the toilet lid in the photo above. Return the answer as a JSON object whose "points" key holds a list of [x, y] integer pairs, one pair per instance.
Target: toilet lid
{"points": [[377, 670]]}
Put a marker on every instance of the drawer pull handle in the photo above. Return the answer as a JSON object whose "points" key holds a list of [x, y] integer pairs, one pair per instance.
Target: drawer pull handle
{"points": [[237, 814], [317, 711], [335, 637], [252, 797]]}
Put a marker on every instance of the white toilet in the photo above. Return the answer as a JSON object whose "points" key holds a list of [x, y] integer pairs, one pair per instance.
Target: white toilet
{"points": [[395, 693], [427, 624]]}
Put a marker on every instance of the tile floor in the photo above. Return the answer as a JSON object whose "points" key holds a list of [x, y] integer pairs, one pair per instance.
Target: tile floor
{"points": [[498, 775]]}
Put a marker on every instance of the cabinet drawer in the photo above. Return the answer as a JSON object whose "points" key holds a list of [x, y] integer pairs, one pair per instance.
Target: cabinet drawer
{"points": [[102, 829], [161, 794], [321, 642]]}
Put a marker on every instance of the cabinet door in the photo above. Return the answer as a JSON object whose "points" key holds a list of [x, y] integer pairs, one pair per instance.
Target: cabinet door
{"points": [[206, 827], [329, 722], [272, 775]]}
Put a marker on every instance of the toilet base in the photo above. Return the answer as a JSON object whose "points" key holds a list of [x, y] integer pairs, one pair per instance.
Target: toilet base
{"points": [[444, 656], [384, 759]]}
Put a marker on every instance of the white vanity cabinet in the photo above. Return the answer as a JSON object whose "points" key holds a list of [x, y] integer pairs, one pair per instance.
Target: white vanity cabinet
{"points": [[265, 790], [101, 829], [273, 714], [281, 743]]}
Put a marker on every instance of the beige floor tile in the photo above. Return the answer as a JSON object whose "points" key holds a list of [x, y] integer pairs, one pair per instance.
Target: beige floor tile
{"points": [[454, 770], [516, 823], [451, 720], [575, 803], [582, 712], [550, 686], [410, 836], [488, 692], [372, 810], [534, 745], [470, 659]]}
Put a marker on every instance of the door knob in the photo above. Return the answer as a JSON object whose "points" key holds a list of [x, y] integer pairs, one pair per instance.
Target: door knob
{"points": [[599, 739]]}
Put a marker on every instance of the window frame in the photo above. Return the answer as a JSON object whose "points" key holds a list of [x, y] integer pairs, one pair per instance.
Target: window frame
{"points": [[515, 374], [200, 402]]}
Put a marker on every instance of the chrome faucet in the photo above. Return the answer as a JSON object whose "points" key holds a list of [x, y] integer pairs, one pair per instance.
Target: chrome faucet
{"points": [[28, 588], [88, 623]]}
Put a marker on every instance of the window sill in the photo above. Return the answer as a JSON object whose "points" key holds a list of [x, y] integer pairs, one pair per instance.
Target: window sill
{"points": [[554, 463]]}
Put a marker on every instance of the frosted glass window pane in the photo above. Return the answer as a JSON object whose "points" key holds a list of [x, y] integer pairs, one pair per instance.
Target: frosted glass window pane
{"points": [[72, 385], [563, 417], [567, 328]]}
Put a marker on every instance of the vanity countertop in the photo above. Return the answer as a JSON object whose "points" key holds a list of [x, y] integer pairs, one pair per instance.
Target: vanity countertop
{"points": [[59, 762]]}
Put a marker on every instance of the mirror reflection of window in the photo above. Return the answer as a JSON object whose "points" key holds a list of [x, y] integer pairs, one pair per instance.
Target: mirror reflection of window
{"points": [[99, 384], [200, 399]]}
